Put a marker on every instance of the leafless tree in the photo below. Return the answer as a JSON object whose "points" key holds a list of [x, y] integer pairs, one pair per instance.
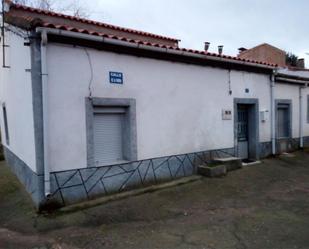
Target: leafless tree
{"points": [[75, 8], [70, 7]]}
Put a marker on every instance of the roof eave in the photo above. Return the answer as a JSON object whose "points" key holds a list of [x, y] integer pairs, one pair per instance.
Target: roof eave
{"points": [[287, 78], [13, 6], [217, 60]]}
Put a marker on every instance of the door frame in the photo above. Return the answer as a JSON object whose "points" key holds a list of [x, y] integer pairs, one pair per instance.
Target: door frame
{"points": [[284, 144], [253, 124], [288, 103]]}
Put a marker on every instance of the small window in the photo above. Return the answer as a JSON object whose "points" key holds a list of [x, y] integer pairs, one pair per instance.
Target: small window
{"points": [[6, 128], [283, 121]]}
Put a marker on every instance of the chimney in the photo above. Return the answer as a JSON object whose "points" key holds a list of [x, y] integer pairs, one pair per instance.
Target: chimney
{"points": [[242, 49], [220, 49], [300, 63], [206, 47]]}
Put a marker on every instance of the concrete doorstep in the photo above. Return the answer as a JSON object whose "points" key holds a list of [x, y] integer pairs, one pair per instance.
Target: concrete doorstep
{"points": [[219, 167], [126, 194]]}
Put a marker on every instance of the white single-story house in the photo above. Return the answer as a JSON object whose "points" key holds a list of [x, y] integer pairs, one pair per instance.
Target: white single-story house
{"points": [[89, 109]]}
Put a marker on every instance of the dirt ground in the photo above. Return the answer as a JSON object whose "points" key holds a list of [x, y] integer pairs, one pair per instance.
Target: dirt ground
{"points": [[265, 206]]}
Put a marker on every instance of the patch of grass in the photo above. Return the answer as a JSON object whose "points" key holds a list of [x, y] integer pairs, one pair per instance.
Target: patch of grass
{"points": [[8, 182]]}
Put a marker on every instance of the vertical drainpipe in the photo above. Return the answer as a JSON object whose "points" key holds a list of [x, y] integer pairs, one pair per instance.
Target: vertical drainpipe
{"points": [[272, 113], [45, 111], [301, 120]]}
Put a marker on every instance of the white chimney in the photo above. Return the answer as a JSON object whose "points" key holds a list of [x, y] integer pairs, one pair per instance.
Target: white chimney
{"points": [[220, 49], [206, 47]]}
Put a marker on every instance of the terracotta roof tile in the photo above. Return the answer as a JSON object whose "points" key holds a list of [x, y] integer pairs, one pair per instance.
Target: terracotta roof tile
{"points": [[125, 39], [51, 13]]}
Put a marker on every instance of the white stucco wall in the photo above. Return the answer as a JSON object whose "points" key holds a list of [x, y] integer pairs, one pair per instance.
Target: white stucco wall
{"points": [[291, 92], [259, 87], [16, 93], [178, 105]]}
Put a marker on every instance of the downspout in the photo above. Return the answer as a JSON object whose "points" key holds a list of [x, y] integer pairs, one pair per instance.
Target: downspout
{"points": [[5, 8], [272, 113], [301, 119], [301, 139], [44, 75]]}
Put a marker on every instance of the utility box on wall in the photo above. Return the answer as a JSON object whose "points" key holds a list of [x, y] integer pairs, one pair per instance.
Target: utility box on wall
{"points": [[264, 116], [226, 114]]}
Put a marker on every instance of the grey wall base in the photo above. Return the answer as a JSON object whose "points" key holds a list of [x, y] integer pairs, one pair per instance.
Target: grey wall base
{"points": [[83, 184], [306, 141], [265, 149], [282, 145], [33, 183], [88, 183], [287, 145]]}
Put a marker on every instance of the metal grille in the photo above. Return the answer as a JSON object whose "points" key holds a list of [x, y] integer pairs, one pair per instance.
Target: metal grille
{"points": [[242, 124]]}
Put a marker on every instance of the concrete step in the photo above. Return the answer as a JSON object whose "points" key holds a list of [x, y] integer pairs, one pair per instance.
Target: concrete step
{"points": [[212, 171], [231, 163]]}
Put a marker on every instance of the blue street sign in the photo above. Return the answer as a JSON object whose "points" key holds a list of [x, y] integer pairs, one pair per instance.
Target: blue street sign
{"points": [[115, 77]]}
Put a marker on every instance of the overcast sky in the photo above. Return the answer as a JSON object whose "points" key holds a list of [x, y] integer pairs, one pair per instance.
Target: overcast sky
{"points": [[232, 23]]}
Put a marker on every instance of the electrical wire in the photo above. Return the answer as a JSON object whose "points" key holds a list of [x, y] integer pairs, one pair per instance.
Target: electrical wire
{"points": [[91, 72], [230, 84]]}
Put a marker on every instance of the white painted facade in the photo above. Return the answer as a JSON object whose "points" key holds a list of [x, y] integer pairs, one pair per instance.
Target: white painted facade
{"points": [[291, 92], [179, 106], [16, 94]]}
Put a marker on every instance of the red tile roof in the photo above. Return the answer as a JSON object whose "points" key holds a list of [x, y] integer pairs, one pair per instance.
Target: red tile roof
{"points": [[82, 20], [89, 32], [126, 39]]}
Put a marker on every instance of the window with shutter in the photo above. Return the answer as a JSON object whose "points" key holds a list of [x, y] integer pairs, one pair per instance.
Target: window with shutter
{"points": [[108, 135], [283, 119]]}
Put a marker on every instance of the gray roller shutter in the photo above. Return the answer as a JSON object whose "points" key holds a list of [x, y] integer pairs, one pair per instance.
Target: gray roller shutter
{"points": [[108, 136], [283, 121]]}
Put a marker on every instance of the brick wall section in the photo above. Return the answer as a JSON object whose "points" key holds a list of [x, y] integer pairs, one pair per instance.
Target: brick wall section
{"points": [[266, 53]]}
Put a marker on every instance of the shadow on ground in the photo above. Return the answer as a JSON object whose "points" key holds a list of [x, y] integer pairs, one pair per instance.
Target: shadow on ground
{"points": [[261, 206]]}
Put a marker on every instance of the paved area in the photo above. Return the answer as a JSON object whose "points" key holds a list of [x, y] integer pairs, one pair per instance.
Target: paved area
{"points": [[264, 206]]}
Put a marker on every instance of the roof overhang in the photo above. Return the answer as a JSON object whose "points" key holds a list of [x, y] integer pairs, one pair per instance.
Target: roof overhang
{"points": [[291, 79], [27, 17], [150, 51]]}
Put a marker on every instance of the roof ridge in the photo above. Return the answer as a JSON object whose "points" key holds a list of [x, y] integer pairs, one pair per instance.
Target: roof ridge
{"points": [[261, 45], [84, 20], [125, 39]]}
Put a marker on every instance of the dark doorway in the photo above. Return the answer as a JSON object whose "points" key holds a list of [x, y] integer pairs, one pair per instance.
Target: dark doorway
{"points": [[243, 131], [246, 128]]}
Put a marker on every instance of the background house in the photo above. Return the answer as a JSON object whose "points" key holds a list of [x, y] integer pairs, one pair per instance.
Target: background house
{"points": [[271, 54], [264, 52]]}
